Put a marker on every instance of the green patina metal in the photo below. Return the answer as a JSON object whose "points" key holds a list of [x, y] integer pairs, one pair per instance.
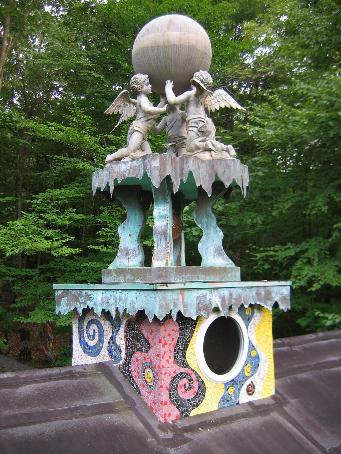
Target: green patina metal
{"points": [[188, 188], [211, 243], [166, 274], [171, 285], [130, 252], [191, 299], [172, 182], [185, 174]]}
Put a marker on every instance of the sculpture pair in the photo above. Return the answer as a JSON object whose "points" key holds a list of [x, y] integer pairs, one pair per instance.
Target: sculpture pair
{"points": [[190, 132]]}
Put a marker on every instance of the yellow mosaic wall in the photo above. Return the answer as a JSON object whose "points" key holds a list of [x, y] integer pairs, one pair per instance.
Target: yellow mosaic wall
{"points": [[264, 342], [260, 333], [214, 391]]}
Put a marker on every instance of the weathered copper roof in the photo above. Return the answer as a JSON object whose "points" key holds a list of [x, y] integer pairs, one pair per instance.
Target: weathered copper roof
{"points": [[91, 409], [191, 299], [153, 168]]}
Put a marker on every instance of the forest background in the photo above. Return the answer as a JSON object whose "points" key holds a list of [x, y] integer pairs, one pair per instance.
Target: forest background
{"points": [[63, 62]]}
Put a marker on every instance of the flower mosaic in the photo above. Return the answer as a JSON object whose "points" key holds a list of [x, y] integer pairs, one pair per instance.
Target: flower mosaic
{"points": [[165, 381], [149, 375], [250, 389]]}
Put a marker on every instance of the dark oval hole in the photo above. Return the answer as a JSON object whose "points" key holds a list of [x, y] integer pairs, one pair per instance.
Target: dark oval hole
{"points": [[222, 344]]}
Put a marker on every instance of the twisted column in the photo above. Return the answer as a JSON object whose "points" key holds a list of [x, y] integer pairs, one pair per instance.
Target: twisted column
{"points": [[130, 252], [211, 244]]}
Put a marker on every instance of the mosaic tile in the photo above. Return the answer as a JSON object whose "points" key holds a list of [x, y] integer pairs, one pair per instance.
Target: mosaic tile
{"points": [[158, 359], [248, 370], [135, 341]]}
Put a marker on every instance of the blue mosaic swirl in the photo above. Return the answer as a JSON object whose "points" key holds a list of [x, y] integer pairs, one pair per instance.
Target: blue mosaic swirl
{"points": [[232, 388], [91, 334], [114, 350]]}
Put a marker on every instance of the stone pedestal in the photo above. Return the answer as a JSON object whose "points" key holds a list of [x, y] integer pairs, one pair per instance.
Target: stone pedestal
{"points": [[185, 348], [179, 367]]}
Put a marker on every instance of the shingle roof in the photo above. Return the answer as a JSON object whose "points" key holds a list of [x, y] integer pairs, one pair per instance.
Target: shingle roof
{"points": [[92, 409]]}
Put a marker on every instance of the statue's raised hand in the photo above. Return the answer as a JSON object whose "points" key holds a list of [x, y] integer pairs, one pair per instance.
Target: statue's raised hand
{"points": [[169, 83]]}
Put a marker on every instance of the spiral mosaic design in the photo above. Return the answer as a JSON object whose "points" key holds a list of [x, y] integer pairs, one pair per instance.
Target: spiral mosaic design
{"points": [[159, 360], [135, 341], [183, 384], [93, 331]]}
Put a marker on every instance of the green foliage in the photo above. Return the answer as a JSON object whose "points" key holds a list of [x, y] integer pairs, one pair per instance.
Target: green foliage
{"points": [[64, 357], [65, 64], [319, 320], [30, 235], [3, 345]]}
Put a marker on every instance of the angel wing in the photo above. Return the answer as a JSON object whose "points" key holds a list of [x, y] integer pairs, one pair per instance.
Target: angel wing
{"points": [[123, 105], [220, 98]]}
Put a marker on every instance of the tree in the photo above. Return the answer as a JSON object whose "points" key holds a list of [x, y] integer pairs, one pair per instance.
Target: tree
{"points": [[61, 64]]}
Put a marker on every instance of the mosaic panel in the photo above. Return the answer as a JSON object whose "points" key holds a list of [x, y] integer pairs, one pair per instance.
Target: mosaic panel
{"points": [[97, 339], [159, 360], [262, 383], [134, 342], [184, 380], [161, 374], [232, 388], [256, 377]]}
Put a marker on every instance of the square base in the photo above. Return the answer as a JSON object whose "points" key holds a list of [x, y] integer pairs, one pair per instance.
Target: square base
{"points": [[184, 367]]}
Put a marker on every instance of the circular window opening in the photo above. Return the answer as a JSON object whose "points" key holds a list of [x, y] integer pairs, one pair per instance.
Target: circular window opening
{"points": [[222, 344]]}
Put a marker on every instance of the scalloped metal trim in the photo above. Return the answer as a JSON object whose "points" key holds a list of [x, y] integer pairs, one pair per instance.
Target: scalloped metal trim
{"points": [[159, 301], [158, 166]]}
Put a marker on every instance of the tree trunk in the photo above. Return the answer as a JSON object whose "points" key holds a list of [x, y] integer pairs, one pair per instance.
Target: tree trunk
{"points": [[5, 45]]}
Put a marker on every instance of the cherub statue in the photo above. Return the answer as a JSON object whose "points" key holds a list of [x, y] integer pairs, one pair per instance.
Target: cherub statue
{"points": [[146, 115], [209, 147], [175, 125], [200, 128]]}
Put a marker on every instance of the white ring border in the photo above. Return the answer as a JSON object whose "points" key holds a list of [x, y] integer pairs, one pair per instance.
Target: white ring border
{"points": [[242, 355]]}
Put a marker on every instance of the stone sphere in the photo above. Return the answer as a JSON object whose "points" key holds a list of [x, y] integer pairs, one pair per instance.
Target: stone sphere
{"points": [[171, 47]]}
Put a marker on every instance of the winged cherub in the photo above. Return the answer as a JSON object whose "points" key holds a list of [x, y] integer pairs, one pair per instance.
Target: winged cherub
{"points": [[146, 115], [200, 128]]}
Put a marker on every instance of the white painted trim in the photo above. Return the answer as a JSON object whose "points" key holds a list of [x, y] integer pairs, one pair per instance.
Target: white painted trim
{"points": [[199, 348]]}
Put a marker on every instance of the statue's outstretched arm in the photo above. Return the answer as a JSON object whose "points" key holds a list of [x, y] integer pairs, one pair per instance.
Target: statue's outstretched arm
{"points": [[172, 99], [147, 108]]}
